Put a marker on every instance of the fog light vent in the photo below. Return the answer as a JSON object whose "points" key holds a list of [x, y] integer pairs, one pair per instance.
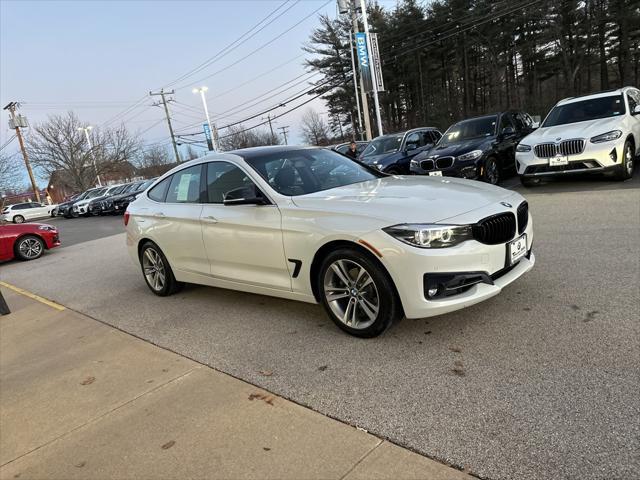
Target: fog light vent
{"points": [[613, 155]]}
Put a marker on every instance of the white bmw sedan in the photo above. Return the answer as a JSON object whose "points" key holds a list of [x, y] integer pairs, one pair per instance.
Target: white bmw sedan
{"points": [[309, 224]]}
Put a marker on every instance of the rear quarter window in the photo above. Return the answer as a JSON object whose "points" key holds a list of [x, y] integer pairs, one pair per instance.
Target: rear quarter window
{"points": [[159, 192]]}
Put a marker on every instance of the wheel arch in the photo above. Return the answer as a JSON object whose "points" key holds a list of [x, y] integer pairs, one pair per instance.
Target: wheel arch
{"points": [[328, 247], [28, 234]]}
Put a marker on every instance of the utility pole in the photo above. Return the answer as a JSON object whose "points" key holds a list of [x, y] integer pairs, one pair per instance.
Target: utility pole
{"points": [[373, 80], [16, 122], [273, 136], [93, 157], [284, 133], [162, 94], [363, 93]]}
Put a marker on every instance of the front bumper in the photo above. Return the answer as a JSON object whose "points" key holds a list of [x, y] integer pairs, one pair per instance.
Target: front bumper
{"points": [[467, 169], [408, 266], [81, 210], [596, 158]]}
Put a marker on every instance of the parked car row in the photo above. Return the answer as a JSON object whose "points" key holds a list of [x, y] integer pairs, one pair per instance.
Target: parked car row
{"points": [[598, 133], [102, 200]]}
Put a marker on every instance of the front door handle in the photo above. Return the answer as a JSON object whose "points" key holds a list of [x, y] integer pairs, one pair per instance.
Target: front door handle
{"points": [[210, 219]]}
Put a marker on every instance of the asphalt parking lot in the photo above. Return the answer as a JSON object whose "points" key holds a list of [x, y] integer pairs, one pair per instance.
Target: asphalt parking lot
{"points": [[540, 382]]}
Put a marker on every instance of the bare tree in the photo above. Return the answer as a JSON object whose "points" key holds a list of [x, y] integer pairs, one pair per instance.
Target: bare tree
{"points": [[191, 153], [240, 137], [314, 128], [9, 174], [58, 145]]}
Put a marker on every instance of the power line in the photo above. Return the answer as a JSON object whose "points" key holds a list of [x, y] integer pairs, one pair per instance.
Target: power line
{"points": [[6, 144], [264, 45], [233, 45], [162, 94]]}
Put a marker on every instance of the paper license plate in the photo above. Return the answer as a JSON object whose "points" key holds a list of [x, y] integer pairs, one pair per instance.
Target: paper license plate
{"points": [[437, 173], [555, 161], [517, 249]]}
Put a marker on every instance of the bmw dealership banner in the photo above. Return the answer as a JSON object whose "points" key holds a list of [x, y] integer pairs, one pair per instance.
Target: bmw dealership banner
{"points": [[363, 60], [207, 134]]}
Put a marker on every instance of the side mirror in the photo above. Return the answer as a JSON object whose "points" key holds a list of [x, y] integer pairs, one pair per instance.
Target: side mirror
{"points": [[244, 196], [506, 131], [636, 110], [410, 146], [535, 125]]}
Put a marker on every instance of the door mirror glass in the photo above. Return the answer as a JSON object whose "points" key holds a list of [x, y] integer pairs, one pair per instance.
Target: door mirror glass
{"points": [[246, 195]]}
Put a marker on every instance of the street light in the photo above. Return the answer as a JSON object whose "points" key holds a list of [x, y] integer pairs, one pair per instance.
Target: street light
{"points": [[86, 131], [201, 91]]}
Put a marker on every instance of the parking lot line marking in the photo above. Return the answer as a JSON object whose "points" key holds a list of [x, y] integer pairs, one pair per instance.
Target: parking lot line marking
{"points": [[40, 299]]}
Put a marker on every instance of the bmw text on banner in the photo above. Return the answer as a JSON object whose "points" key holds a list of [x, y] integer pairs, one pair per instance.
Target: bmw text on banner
{"points": [[363, 60]]}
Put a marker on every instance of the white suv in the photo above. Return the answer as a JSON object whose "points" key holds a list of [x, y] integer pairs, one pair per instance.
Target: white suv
{"points": [[21, 212], [589, 134]]}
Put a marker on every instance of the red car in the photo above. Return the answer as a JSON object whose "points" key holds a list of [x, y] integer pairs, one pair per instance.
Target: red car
{"points": [[26, 241]]}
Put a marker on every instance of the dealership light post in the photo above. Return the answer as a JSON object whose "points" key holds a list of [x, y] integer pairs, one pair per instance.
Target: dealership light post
{"points": [[201, 91], [86, 131]]}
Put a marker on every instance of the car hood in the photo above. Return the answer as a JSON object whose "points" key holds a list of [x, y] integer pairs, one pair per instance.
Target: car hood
{"points": [[458, 148], [587, 129], [408, 199]]}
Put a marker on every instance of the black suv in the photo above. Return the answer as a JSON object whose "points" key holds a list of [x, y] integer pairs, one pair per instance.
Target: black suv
{"points": [[480, 148], [392, 153]]}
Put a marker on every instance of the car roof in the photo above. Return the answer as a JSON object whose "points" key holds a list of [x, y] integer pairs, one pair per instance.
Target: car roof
{"points": [[603, 93], [253, 152]]}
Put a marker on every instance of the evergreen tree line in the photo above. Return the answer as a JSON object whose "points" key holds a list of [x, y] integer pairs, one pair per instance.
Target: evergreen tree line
{"points": [[450, 59]]}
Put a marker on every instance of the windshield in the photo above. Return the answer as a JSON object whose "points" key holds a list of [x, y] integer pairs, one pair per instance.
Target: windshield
{"points": [[298, 172], [144, 185], [474, 128], [116, 190], [385, 144], [95, 193], [592, 109]]}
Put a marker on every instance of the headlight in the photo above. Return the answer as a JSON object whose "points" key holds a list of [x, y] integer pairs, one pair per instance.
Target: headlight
{"points": [[470, 156], [429, 235], [523, 148], [607, 137], [47, 228], [414, 163]]}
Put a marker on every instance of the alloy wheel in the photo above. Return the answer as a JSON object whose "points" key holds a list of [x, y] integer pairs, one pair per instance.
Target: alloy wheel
{"points": [[153, 267], [18, 219], [30, 248], [351, 294], [492, 172], [628, 159]]}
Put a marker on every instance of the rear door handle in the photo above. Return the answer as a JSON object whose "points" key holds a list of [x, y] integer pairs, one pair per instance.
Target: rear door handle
{"points": [[210, 219]]}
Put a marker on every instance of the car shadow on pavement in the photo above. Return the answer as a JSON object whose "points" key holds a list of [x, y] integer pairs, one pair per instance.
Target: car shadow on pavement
{"points": [[579, 183]]}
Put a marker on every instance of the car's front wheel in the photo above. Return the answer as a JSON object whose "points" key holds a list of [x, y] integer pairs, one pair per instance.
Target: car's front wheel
{"points": [[157, 272], [491, 172], [29, 247], [626, 169], [358, 293]]}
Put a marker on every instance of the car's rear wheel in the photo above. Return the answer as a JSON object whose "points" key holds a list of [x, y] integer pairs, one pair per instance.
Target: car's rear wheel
{"points": [[626, 169], [29, 247], [529, 182], [357, 293], [18, 219], [393, 171], [491, 172], [157, 272]]}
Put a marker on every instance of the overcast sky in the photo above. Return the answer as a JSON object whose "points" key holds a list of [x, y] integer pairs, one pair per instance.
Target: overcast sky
{"points": [[99, 58]]}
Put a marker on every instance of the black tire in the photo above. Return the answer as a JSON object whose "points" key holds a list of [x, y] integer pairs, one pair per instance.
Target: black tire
{"points": [[18, 219], [625, 171], [529, 182], [491, 171], [389, 307], [169, 285], [28, 247], [393, 171]]}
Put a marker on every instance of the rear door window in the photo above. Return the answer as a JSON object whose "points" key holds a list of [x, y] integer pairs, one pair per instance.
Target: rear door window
{"points": [[185, 186]]}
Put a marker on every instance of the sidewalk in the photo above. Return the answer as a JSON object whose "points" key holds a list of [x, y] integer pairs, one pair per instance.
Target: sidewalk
{"points": [[79, 399]]}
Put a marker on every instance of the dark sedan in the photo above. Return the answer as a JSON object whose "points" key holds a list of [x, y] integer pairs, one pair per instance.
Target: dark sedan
{"points": [[122, 201], [392, 153], [480, 148]]}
